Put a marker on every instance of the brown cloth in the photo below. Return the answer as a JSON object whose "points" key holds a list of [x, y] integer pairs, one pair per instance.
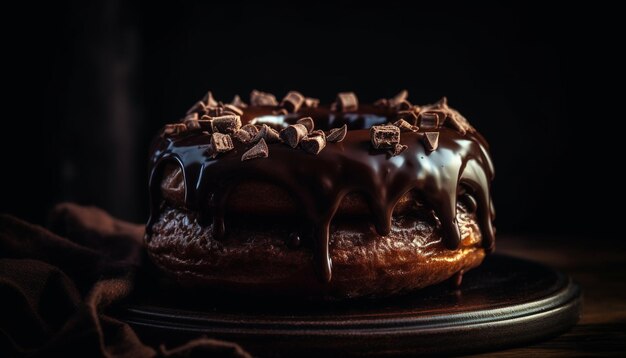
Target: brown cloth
{"points": [[55, 287]]}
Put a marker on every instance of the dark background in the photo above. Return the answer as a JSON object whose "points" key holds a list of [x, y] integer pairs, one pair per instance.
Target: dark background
{"points": [[90, 84]]}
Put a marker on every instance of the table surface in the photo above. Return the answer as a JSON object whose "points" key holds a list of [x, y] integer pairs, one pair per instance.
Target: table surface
{"points": [[601, 271]]}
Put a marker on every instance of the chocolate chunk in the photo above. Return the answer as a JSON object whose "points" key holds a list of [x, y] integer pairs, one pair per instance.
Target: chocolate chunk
{"points": [[243, 136], [250, 128], [385, 136], [221, 142], [193, 125], [175, 129], [398, 99], [215, 111], [280, 112], [191, 121], [347, 102], [441, 103], [226, 124], [431, 140], [191, 117], [404, 105], [318, 132], [409, 116], [258, 98], [238, 102], [293, 134], [337, 134], [307, 122], [449, 116], [198, 107], [259, 150], [292, 101], [271, 135], [383, 102], [429, 120], [314, 142], [206, 124], [311, 102], [209, 101], [397, 149], [232, 109], [268, 133], [405, 126]]}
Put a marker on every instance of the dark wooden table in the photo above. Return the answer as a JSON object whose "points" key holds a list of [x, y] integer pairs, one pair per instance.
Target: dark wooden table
{"points": [[601, 271]]}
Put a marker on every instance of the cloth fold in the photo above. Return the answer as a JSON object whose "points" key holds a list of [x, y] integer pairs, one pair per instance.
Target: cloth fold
{"points": [[56, 284]]}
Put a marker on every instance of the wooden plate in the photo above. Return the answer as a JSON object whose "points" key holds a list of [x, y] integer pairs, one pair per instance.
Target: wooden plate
{"points": [[505, 302]]}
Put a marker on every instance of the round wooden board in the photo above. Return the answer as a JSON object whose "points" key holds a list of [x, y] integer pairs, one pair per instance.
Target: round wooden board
{"points": [[505, 302]]}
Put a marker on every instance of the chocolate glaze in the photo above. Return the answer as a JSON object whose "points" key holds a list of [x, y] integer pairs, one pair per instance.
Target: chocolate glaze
{"points": [[460, 165]]}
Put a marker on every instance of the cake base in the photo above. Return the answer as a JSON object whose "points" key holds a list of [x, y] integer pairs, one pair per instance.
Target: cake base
{"points": [[505, 302]]}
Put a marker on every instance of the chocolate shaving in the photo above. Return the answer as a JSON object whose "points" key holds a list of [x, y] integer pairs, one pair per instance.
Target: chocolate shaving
{"points": [[243, 136], [209, 101], [271, 135], [429, 120], [398, 99], [238, 102], [383, 102], [292, 101], [268, 133], [175, 129], [409, 116], [405, 126], [307, 122], [397, 149], [333, 106], [226, 124], [258, 98], [442, 103], [385, 136], [314, 142], [198, 107], [347, 102], [431, 140], [337, 134], [404, 105], [293, 134], [449, 116], [191, 121], [280, 112], [232, 109], [250, 128], [193, 125], [191, 117], [259, 150], [221, 143], [215, 111], [311, 102]]}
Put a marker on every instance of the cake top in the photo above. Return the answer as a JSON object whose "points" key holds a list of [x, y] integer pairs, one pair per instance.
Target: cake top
{"points": [[319, 153], [289, 121]]}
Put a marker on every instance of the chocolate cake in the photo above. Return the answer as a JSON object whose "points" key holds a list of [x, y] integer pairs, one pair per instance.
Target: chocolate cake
{"points": [[342, 200]]}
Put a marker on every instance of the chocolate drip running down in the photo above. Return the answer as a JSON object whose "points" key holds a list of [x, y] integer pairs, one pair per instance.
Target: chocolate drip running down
{"points": [[459, 166]]}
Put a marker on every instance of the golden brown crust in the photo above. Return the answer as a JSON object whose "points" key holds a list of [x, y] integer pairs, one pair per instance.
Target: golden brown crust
{"points": [[254, 258]]}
